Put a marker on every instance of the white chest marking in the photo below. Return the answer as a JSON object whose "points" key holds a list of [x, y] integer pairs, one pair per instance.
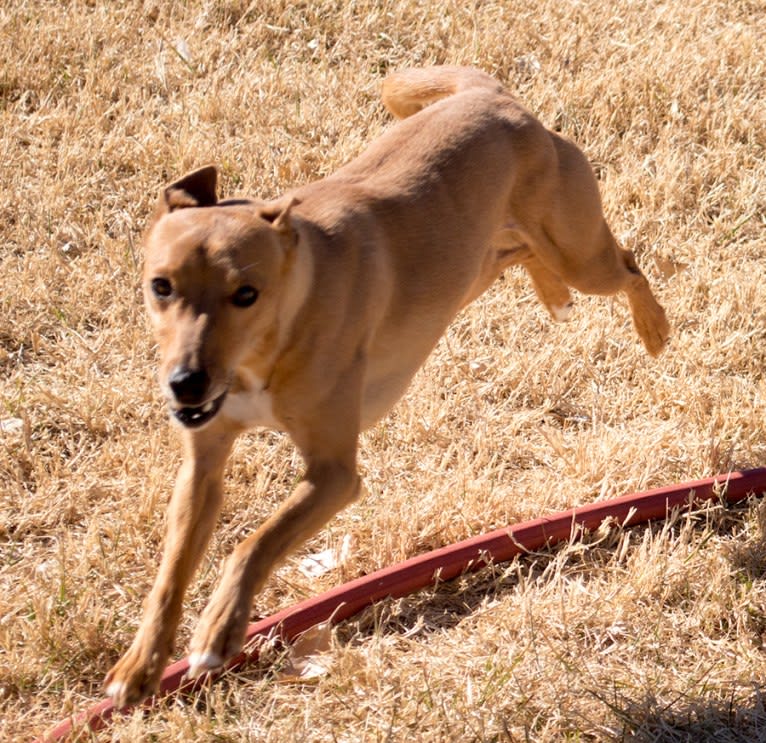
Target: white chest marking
{"points": [[251, 407]]}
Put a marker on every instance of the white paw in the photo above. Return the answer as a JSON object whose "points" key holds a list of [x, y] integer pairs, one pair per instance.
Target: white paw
{"points": [[200, 663], [561, 313], [115, 690]]}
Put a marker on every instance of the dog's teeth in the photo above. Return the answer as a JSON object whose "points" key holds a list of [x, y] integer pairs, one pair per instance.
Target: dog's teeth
{"points": [[207, 407]]}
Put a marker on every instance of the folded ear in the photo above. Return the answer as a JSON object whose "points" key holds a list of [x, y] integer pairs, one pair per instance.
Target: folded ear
{"points": [[278, 214], [197, 188]]}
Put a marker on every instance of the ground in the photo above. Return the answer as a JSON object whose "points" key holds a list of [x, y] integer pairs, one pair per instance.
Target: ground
{"points": [[652, 634]]}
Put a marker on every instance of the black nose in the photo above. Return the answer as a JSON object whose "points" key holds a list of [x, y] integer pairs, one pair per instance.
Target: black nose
{"points": [[189, 387]]}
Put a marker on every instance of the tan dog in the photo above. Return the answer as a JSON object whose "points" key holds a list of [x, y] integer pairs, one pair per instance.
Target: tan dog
{"points": [[312, 313]]}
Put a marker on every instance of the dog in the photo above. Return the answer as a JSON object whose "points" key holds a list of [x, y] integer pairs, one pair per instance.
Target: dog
{"points": [[312, 312]]}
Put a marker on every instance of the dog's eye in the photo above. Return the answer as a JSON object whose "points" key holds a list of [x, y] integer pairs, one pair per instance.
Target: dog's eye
{"points": [[161, 288], [244, 296]]}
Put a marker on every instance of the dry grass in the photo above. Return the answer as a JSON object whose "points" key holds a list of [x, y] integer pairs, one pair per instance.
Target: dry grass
{"points": [[655, 635]]}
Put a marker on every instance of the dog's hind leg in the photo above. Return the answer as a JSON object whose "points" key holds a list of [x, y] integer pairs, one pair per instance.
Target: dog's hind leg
{"points": [[609, 269], [571, 238], [617, 271], [648, 315], [550, 289], [510, 247]]}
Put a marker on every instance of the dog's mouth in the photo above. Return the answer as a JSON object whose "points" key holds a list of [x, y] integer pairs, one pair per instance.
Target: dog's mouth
{"points": [[196, 416]]}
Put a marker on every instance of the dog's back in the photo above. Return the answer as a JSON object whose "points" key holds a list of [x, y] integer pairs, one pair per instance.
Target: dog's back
{"points": [[554, 213], [408, 91]]}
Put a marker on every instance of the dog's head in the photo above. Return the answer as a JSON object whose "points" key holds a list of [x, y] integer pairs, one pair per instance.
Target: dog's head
{"points": [[219, 288]]}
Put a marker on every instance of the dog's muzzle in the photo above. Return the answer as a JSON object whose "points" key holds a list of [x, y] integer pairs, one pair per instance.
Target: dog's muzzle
{"points": [[190, 402]]}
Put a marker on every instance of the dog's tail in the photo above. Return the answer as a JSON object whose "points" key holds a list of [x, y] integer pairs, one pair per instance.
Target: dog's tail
{"points": [[408, 91]]}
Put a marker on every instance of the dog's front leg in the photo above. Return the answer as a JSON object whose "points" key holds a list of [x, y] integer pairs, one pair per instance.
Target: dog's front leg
{"points": [[328, 486], [192, 513]]}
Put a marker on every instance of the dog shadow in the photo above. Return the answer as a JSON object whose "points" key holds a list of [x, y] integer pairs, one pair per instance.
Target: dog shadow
{"points": [[695, 721]]}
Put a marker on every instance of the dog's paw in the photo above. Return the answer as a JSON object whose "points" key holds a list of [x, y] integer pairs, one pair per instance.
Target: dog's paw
{"points": [[649, 317], [219, 636], [654, 330], [561, 312], [656, 341], [134, 677], [119, 693], [202, 663]]}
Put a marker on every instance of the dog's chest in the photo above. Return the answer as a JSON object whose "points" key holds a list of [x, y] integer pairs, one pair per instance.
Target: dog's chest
{"points": [[251, 406]]}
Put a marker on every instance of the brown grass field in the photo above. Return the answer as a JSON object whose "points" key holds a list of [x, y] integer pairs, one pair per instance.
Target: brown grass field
{"points": [[650, 634]]}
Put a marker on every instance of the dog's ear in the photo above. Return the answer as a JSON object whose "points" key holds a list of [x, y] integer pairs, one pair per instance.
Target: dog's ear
{"points": [[277, 213], [197, 188]]}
